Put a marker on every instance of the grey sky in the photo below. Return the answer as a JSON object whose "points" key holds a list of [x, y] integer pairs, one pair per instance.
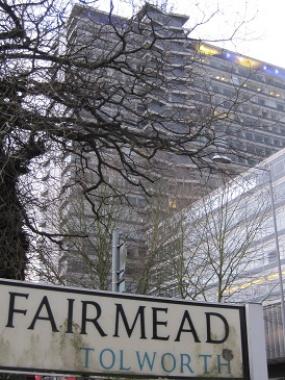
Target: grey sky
{"points": [[262, 30]]}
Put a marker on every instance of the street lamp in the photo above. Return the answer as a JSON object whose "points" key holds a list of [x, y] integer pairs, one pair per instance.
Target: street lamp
{"points": [[222, 158]]}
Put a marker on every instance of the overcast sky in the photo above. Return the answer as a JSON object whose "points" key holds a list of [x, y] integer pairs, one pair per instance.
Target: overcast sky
{"points": [[262, 24]]}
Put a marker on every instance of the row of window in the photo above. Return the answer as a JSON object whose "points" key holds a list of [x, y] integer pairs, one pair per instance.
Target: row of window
{"points": [[246, 73], [271, 95], [246, 106]]}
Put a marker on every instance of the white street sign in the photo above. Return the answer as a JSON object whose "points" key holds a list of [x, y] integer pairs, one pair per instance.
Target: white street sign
{"points": [[48, 329]]}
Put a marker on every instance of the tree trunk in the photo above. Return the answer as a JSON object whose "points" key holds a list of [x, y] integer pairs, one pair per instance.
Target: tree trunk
{"points": [[13, 239]]}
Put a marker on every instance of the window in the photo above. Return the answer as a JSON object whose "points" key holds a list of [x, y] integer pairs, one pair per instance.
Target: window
{"points": [[270, 103], [249, 136], [235, 80], [271, 256], [228, 92], [172, 203]]}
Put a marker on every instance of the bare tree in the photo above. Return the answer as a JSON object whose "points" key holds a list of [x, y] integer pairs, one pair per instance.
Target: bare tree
{"points": [[83, 257], [205, 252], [88, 88], [96, 86], [228, 228]]}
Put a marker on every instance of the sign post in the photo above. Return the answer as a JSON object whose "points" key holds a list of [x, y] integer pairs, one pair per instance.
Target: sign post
{"points": [[119, 254], [49, 329], [256, 342]]}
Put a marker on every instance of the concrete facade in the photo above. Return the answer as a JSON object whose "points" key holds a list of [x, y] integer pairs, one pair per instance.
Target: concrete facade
{"points": [[241, 97]]}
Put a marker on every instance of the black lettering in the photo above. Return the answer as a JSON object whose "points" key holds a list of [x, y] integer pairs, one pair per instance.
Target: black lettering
{"points": [[49, 317], [157, 323], [186, 318], [69, 327], [93, 320], [140, 314], [12, 310], [210, 339]]}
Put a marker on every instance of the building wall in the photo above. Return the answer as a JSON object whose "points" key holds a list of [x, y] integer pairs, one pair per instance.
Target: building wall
{"points": [[239, 97], [230, 232]]}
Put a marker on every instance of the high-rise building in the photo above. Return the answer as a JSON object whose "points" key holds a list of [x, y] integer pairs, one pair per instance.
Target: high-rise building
{"points": [[201, 76], [233, 103]]}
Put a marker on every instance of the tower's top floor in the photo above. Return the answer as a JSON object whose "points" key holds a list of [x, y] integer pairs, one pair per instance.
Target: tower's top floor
{"points": [[176, 22]]}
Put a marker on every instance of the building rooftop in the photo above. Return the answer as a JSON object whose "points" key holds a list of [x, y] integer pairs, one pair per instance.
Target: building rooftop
{"points": [[201, 47]]}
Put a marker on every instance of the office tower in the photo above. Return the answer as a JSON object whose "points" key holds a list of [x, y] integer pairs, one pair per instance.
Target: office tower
{"points": [[234, 101]]}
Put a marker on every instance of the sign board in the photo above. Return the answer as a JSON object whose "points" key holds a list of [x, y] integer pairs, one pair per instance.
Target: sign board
{"points": [[48, 329]]}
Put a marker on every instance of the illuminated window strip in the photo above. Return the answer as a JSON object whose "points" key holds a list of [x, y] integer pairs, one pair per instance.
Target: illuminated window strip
{"points": [[257, 281], [244, 61]]}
